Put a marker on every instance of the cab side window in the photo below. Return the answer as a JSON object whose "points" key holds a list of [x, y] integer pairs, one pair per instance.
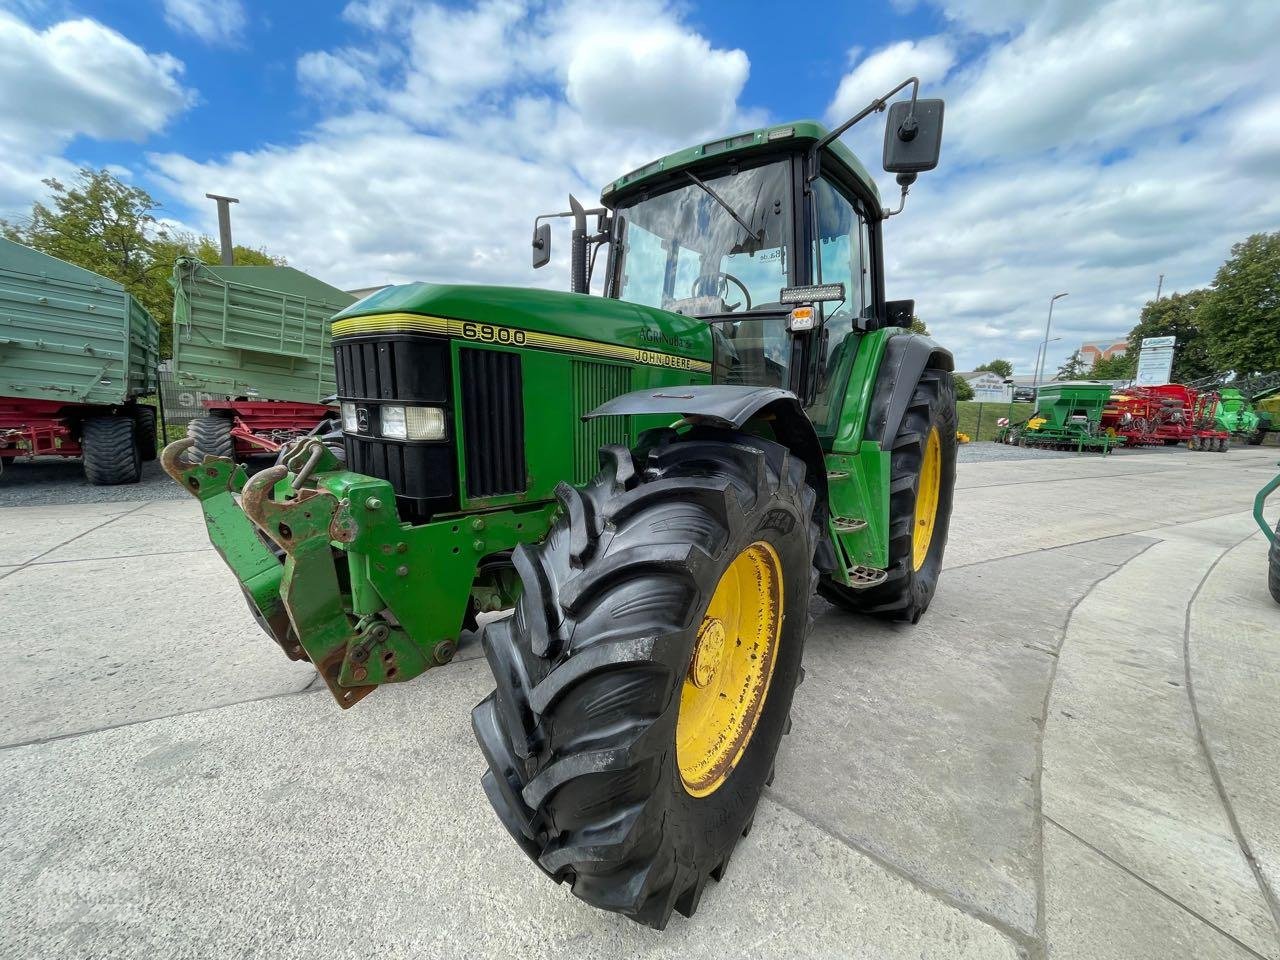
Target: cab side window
{"points": [[840, 255]]}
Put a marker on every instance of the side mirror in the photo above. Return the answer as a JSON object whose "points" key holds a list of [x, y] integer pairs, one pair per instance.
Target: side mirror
{"points": [[913, 136], [541, 245]]}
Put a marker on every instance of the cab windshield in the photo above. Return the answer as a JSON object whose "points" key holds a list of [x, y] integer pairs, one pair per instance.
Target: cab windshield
{"points": [[684, 251]]}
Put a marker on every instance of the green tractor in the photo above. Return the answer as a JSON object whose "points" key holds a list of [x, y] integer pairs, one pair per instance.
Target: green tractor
{"points": [[656, 479]]}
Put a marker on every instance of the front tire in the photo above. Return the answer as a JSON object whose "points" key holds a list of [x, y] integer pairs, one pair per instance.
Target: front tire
{"points": [[922, 482], [596, 766]]}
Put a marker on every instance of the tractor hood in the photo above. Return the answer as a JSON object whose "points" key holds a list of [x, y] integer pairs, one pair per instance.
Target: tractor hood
{"points": [[550, 312]]}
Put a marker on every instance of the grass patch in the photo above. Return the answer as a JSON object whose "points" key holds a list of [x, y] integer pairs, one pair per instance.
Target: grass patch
{"points": [[978, 420]]}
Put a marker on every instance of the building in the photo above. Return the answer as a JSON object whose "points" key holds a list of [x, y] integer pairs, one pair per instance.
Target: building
{"points": [[1091, 353]]}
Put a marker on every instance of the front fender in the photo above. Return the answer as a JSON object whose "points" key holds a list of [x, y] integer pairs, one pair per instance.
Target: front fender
{"points": [[734, 407], [906, 355]]}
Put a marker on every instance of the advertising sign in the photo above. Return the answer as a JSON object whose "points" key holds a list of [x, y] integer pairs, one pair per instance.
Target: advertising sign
{"points": [[1155, 361], [991, 388]]}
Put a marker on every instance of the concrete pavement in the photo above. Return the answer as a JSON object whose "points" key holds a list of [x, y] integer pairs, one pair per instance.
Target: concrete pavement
{"points": [[1073, 755]]}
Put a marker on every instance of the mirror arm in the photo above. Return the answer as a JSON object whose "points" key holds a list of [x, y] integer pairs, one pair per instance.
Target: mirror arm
{"points": [[905, 180], [875, 106]]}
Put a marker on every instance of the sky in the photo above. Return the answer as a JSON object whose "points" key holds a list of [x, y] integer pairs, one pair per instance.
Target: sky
{"points": [[1089, 147]]}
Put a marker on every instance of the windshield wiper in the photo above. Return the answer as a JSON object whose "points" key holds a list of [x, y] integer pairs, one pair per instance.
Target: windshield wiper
{"points": [[754, 235]]}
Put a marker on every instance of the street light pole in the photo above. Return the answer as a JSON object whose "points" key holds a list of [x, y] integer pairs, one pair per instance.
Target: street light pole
{"points": [[1044, 346]]}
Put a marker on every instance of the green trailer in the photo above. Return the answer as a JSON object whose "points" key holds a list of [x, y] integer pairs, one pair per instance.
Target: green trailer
{"points": [[1068, 416], [656, 479], [251, 346], [77, 352]]}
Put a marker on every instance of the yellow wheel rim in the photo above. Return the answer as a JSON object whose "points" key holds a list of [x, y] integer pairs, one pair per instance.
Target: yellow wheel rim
{"points": [[728, 677], [927, 500]]}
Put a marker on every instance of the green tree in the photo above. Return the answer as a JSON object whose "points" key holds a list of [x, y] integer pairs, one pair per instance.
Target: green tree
{"points": [[1240, 320], [1073, 369], [917, 326], [107, 226], [1119, 367], [1003, 367], [963, 390], [1177, 315]]}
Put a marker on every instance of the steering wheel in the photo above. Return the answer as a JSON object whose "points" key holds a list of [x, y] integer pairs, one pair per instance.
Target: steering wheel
{"points": [[721, 279]]}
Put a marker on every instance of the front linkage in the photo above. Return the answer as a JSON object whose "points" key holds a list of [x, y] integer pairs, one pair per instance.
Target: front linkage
{"points": [[333, 575]]}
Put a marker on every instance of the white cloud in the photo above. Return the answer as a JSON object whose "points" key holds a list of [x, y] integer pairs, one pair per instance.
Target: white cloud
{"points": [[1089, 147], [75, 78], [216, 22], [1107, 79], [450, 128], [661, 80], [330, 76], [929, 59]]}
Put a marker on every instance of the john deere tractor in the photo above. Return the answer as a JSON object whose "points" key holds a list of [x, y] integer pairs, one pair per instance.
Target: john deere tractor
{"points": [[656, 479]]}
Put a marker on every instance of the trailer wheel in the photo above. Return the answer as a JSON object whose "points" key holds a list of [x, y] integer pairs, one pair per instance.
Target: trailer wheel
{"points": [[110, 451], [1256, 437], [144, 419], [645, 680], [1273, 566], [922, 478], [212, 436]]}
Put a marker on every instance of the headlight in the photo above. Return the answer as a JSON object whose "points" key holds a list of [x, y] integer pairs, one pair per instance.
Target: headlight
{"points": [[425, 423], [393, 423], [349, 422], [413, 423]]}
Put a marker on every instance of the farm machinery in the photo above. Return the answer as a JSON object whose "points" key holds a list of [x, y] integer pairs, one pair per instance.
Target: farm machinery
{"points": [[1237, 416], [655, 479], [1182, 414], [1068, 416], [77, 355], [251, 354], [1131, 416]]}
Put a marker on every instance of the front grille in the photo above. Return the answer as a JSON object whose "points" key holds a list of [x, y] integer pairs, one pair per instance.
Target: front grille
{"points": [[407, 369], [492, 422], [403, 369], [594, 384]]}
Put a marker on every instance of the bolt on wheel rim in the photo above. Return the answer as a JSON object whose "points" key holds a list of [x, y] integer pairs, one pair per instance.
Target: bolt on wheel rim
{"points": [[724, 690]]}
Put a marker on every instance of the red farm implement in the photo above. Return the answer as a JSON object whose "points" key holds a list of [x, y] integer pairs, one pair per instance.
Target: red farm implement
{"points": [[1184, 415], [1133, 415]]}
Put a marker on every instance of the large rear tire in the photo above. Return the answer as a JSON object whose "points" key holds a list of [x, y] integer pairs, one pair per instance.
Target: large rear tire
{"points": [[922, 482], [212, 436], [110, 451], [616, 673]]}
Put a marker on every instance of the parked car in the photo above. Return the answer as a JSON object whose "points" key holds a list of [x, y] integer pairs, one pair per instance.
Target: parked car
{"points": [[1024, 395]]}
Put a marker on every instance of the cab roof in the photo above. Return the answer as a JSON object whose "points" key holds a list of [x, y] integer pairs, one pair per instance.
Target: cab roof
{"points": [[799, 132]]}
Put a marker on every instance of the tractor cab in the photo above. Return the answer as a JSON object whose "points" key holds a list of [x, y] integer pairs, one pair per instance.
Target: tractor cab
{"points": [[772, 237]]}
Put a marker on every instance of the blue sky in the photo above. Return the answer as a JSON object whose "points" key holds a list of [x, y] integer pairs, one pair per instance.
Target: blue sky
{"points": [[1090, 146]]}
